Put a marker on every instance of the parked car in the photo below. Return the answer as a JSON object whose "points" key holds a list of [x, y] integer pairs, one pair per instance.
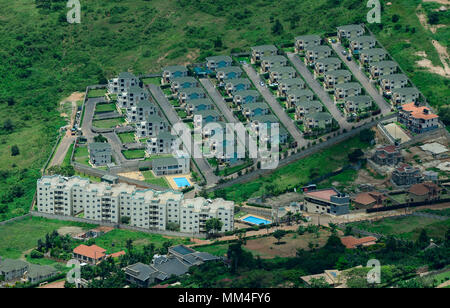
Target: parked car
{"points": [[344, 52]]}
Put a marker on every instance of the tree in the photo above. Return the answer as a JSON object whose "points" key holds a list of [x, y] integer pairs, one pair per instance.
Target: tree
{"points": [[100, 138], [367, 135], [277, 28], [333, 227], [15, 150], [129, 245], [395, 18], [319, 283], [355, 155], [213, 225], [279, 234], [8, 126], [125, 220], [423, 239], [433, 18]]}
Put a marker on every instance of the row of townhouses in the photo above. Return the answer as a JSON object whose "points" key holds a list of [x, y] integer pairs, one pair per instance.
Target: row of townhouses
{"points": [[146, 209]]}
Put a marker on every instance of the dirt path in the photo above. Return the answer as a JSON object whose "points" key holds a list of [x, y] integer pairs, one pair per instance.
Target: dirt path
{"points": [[438, 1]]}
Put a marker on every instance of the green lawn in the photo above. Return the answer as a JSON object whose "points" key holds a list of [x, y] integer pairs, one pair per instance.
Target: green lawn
{"points": [[133, 154], [81, 155], [66, 161], [109, 123], [154, 80], [408, 227], [101, 108], [127, 137], [216, 249], [96, 93], [151, 179]]}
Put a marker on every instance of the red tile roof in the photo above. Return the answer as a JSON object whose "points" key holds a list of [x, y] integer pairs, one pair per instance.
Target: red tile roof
{"points": [[117, 254], [423, 188], [93, 252], [324, 194], [352, 242], [419, 111]]}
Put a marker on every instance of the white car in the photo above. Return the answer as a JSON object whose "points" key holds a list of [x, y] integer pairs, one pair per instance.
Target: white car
{"points": [[262, 84]]}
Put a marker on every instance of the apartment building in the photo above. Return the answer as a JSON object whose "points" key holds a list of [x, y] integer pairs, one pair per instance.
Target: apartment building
{"points": [[406, 175], [258, 52], [173, 71], [187, 94], [123, 82], [164, 143], [152, 126], [141, 111], [358, 103], [246, 97], [131, 96], [100, 153], [418, 119], [216, 62], [344, 90], [390, 82], [180, 164], [298, 95], [387, 155], [315, 53], [306, 107], [362, 42], [304, 41], [194, 105], [349, 32], [182, 83], [333, 78], [368, 56], [326, 65], [285, 85], [377, 69], [328, 200], [278, 73], [272, 61], [237, 84], [404, 95], [229, 72]]}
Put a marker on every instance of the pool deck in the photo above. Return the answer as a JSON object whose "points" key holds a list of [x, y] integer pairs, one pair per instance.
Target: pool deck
{"points": [[256, 216], [173, 185]]}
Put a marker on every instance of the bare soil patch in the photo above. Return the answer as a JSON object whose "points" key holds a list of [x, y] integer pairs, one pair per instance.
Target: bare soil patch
{"points": [[133, 175], [70, 230]]}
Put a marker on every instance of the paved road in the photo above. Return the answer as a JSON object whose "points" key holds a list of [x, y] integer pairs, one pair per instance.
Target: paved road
{"points": [[89, 109], [116, 146], [173, 118], [63, 147], [362, 78], [319, 90], [275, 105]]}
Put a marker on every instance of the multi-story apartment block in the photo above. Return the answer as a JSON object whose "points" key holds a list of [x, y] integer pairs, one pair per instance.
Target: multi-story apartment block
{"points": [[326, 64], [151, 127], [315, 53], [100, 153], [297, 95], [146, 209], [187, 94], [362, 42], [377, 69], [328, 200], [344, 90], [196, 212], [183, 83], [216, 62], [131, 96], [358, 103], [141, 111], [333, 78], [272, 61], [418, 119], [164, 143], [406, 175], [404, 95], [304, 41], [285, 85], [246, 97], [368, 56], [123, 82], [305, 107], [173, 71], [349, 32], [258, 52], [229, 72], [390, 82], [278, 73], [389, 155]]}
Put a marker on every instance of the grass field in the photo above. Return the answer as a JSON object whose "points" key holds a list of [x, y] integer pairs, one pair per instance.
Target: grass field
{"points": [[96, 93], [126, 137], [109, 123], [150, 178], [100, 108], [408, 227], [154, 80], [81, 155], [133, 154]]}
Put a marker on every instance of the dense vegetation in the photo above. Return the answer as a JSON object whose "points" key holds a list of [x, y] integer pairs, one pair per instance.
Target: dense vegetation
{"points": [[43, 58]]}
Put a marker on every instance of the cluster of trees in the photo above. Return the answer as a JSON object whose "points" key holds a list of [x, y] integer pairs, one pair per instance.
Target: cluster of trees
{"points": [[58, 246]]}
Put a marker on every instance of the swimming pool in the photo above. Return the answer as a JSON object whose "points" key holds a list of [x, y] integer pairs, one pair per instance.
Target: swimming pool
{"points": [[256, 220], [182, 182]]}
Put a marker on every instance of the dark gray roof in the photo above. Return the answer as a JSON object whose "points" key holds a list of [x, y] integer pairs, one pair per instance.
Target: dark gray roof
{"points": [[230, 69], [282, 69], [37, 271], [405, 91], [238, 81], [126, 75], [383, 64], [219, 58], [8, 265], [359, 99], [192, 90], [265, 48], [99, 146], [338, 73], [277, 58], [309, 104], [395, 77], [164, 161], [350, 28], [349, 85], [200, 101], [320, 48], [300, 92], [184, 79], [140, 271], [330, 60], [253, 106], [171, 266], [175, 68], [204, 256], [363, 39], [247, 93], [373, 51], [307, 37], [320, 116], [292, 82], [182, 250]]}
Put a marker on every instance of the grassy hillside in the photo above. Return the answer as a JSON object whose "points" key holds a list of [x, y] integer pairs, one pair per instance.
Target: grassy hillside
{"points": [[43, 58]]}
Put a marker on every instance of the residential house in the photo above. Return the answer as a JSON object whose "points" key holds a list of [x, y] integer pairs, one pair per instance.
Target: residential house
{"points": [[272, 61], [228, 72], [180, 164], [317, 120], [246, 97], [297, 95], [333, 78], [224, 149], [406, 175], [213, 128], [370, 199], [418, 119], [91, 255], [123, 82], [151, 127], [344, 90], [255, 109], [38, 273], [351, 242], [427, 191], [390, 82], [349, 32], [258, 52], [131, 96], [278, 73], [315, 53], [238, 84], [216, 62], [180, 83], [305, 107], [326, 64], [377, 69], [164, 143], [368, 56], [285, 85], [387, 155], [328, 200], [204, 117], [304, 41], [12, 269], [194, 105], [362, 42], [358, 103], [187, 94], [141, 111], [404, 95], [100, 153], [173, 71], [141, 274], [264, 122]]}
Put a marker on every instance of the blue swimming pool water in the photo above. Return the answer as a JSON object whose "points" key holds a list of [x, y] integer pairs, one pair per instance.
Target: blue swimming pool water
{"points": [[182, 182], [256, 220]]}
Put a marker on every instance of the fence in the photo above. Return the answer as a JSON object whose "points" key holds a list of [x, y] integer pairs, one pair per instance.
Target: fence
{"points": [[2, 223], [117, 226], [407, 205]]}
